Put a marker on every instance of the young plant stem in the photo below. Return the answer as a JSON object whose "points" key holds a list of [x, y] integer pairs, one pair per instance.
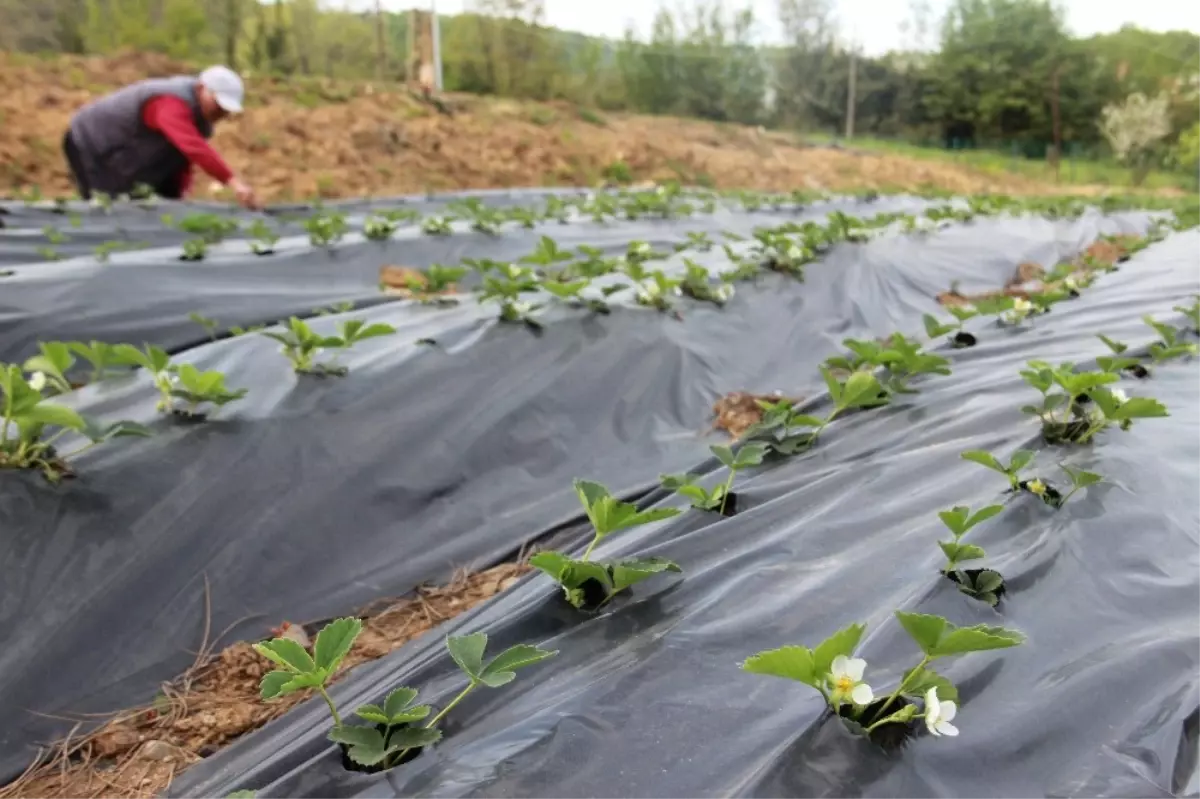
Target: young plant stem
{"points": [[725, 495], [903, 683], [337, 720], [587, 553]]}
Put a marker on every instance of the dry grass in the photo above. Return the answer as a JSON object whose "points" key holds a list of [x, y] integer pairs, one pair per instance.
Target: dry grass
{"points": [[738, 411], [306, 138], [138, 752]]}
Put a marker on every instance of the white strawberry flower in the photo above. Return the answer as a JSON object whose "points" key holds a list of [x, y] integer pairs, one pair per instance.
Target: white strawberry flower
{"points": [[846, 674], [1119, 395], [938, 715], [37, 381]]}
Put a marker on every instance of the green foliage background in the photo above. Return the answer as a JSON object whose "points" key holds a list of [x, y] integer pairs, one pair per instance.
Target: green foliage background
{"points": [[983, 79]]}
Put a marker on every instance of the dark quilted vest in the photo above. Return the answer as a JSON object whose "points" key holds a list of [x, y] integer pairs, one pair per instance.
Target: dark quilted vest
{"points": [[117, 149]]}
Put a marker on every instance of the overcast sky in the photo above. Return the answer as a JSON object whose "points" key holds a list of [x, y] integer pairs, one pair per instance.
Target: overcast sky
{"points": [[877, 24]]}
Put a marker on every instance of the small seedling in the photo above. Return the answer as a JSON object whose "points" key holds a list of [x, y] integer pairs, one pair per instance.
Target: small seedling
{"points": [[194, 250], [99, 354], [301, 344], [1192, 312], [547, 253], [326, 229], [505, 288], [591, 584], [437, 225], [716, 499], [838, 676], [1118, 362], [372, 746], [747, 456], [179, 381], [431, 286], [697, 286], [1077, 422], [985, 585], [1169, 344], [379, 228], [961, 313], [211, 326], [196, 388], [209, 228], [301, 670], [25, 418], [1020, 459], [656, 290], [572, 294], [55, 360], [264, 238]]}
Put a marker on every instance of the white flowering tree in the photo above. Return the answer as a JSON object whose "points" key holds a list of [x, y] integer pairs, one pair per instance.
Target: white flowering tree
{"points": [[1135, 128]]}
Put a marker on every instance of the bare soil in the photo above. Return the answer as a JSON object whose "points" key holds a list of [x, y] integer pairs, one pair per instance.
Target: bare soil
{"points": [[138, 752], [303, 138]]}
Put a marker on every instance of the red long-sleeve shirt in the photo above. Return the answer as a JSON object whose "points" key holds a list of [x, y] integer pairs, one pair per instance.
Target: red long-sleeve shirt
{"points": [[172, 117]]}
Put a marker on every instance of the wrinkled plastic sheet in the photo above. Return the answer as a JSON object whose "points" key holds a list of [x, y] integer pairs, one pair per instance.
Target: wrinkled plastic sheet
{"points": [[310, 498]]}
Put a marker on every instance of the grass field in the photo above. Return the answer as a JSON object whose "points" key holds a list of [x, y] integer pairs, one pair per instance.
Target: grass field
{"points": [[1072, 171]]}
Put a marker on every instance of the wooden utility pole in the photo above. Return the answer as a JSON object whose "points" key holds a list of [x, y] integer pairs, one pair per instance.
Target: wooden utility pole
{"points": [[851, 98], [1056, 120]]}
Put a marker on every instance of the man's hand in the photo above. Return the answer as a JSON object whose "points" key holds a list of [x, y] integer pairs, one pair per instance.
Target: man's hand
{"points": [[245, 195]]}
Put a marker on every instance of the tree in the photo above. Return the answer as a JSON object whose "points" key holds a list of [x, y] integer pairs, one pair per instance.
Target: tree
{"points": [[994, 69], [1135, 129]]}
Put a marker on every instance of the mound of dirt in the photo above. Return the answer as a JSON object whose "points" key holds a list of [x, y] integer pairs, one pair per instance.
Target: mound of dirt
{"points": [[303, 138]]}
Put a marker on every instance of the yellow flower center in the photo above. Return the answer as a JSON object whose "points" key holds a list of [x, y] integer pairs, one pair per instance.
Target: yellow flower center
{"points": [[843, 685], [1037, 487]]}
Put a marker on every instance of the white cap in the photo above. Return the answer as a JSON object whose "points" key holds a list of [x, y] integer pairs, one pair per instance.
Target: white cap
{"points": [[226, 87]]}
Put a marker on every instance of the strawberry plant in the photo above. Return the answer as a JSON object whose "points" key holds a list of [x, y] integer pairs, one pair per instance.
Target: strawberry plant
{"points": [[696, 285], [506, 288], [301, 344], [1192, 312], [1020, 459], [264, 238], [196, 388], [300, 671], [194, 250], [483, 219], [961, 313], [572, 294], [183, 382], [377, 227], [53, 363], [437, 225], [326, 229], [392, 733], [211, 326], [832, 669], [387, 747], [100, 355], [547, 254], [25, 440], [588, 584], [1077, 405], [985, 585], [717, 498], [1169, 344], [593, 263], [209, 228], [1118, 361], [778, 252], [655, 290]]}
